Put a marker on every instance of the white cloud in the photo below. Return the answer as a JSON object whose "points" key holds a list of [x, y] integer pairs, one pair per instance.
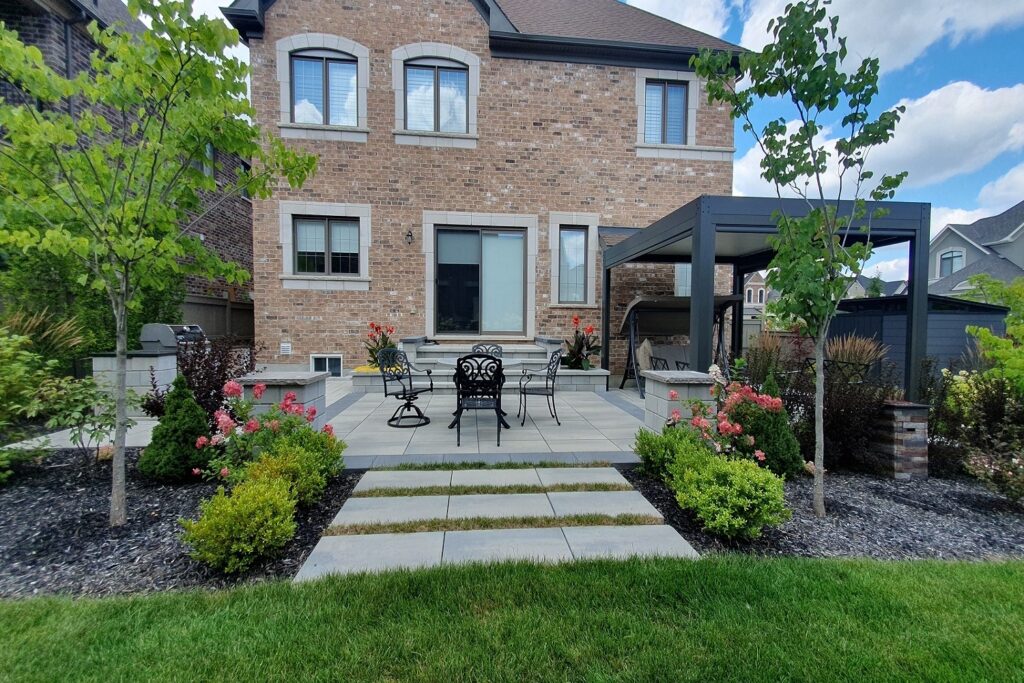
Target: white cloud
{"points": [[944, 215], [957, 129], [1005, 191], [897, 33], [709, 16], [889, 269]]}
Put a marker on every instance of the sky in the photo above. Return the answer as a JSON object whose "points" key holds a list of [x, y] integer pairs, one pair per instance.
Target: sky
{"points": [[957, 66]]}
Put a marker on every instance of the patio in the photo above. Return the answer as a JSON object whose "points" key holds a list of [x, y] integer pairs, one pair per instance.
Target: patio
{"points": [[595, 426]]}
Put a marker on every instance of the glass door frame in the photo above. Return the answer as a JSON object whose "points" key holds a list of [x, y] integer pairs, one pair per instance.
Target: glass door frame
{"points": [[480, 230]]}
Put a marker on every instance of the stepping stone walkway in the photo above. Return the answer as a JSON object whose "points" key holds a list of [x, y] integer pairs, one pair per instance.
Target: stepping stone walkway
{"points": [[347, 554]]}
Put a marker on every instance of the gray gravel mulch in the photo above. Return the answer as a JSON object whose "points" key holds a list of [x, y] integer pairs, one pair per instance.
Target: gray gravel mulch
{"points": [[869, 516], [55, 537]]}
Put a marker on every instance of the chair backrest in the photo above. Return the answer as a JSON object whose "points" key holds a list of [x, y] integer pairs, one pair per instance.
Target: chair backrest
{"points": [[479, 374], [658, 363], [394, 367], [489, 349], [554, 362]]}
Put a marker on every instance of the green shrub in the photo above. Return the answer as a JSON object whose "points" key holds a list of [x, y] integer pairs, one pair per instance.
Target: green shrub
{"points": [[732, 498], [299, 467], [234, 530], [1001, 468], [772, 433], [172, 453], [325, 449], [21, 373], [657, 452]]}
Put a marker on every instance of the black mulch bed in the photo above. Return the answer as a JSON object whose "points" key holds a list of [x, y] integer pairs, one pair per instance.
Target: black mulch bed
{"points": [[869, 516], [54, 535]]}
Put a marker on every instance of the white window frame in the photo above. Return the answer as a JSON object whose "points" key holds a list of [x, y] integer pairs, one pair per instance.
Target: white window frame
{"points": [[949, 250], [339, 356], [401, 55], [691, 150], [288, 211], [322, 41], [556, 219], [760, 295]]}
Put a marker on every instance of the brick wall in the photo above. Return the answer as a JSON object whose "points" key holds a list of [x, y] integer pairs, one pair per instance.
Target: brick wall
{"points": [[553, 137]]}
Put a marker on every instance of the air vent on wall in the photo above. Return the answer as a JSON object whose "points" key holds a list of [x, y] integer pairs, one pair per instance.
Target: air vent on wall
{"points": [[286, 348]]}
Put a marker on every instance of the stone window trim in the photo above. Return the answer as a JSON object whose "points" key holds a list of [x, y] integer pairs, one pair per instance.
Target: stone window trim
{"points": [[399, 56], [322, 41], [557, 219], [691, 150], [288, 210], [527, 222]]}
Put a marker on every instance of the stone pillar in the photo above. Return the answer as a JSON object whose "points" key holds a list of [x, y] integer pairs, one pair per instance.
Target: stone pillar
{"points": [[899, 441], [410, 346], [690, 386], [164, 366], [549, 344], [310, 390]]}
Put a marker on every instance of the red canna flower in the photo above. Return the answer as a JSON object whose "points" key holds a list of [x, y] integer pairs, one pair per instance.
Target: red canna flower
{"points": [[576, 321], [589, 329]]}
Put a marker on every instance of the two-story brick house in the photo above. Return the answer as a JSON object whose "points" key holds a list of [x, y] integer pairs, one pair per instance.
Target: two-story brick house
{"points": [[58, 29], [475, 156]]}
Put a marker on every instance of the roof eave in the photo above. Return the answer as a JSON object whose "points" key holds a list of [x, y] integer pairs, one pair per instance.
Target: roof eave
{"points": [[248, 22]]}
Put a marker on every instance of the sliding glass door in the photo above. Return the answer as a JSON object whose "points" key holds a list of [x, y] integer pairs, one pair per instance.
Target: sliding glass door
{"points": [[481, 281]]}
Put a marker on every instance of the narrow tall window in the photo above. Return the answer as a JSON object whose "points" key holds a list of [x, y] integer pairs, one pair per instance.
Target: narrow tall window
{"points": [[950, 262], [327, 246], [682, 279], [750, 296], [436, 96], [665, 113], [324, 88], [760, 296], [572, 265]]}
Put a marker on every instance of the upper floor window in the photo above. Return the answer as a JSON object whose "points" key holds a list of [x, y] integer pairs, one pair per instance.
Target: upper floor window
{"points": [[750, 295], [665, 113], [760, 296], [950, 262], [436, 96], [682, 287], [325, 88], [326, 246], [572, 267]]}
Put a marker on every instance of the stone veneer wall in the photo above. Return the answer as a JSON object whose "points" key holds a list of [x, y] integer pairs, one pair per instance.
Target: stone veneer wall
{"points": [[899, 441], [552, 137]]}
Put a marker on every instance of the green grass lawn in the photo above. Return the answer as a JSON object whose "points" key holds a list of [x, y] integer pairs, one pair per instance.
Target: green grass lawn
{"points": [[725, 618]]}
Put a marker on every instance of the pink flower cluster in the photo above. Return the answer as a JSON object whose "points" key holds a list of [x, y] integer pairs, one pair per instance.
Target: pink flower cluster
{"points": [[232, 389], [737, 393], [225, 424]]}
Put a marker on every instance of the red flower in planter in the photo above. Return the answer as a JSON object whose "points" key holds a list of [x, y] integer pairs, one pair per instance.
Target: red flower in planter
{"points": [[576, 321], [589, 329]]}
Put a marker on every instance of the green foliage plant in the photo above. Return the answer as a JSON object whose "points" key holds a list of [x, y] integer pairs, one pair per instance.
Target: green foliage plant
{"points": [[1004, 352], [657, 452], [817, 254], [81, 406], [583, 344], [299, 467], [173, 453]]}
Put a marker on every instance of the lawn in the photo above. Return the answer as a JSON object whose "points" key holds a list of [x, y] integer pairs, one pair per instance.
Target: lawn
{"points": [[724, 618]]}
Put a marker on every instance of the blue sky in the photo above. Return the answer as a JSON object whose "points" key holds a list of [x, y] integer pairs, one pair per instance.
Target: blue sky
{"points": [[958, 66]]}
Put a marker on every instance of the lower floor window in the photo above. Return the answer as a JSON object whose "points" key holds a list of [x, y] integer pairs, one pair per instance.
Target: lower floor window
{"points": [[331, 364], [326, 246]]}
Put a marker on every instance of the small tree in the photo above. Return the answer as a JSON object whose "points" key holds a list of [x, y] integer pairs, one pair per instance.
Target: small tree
{"points": [[817, 255], [172, 452], [875, 288], [123, 182]]}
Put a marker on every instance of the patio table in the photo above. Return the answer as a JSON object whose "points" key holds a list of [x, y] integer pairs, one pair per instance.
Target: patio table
{"points": [[509, 363]]}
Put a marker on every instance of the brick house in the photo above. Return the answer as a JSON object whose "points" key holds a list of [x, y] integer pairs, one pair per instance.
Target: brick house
{"points": [[476, 156], [58, 29]]}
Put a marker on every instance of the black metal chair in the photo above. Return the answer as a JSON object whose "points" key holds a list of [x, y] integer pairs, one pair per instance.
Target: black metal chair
{"points": [[478, 381], [658, 363], [396, 371], [680, 365], [550, 374], [489, 349]]}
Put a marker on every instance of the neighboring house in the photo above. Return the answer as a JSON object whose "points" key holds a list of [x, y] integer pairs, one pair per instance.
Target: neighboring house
{"points": [[475, 157], [862, 287], [58, 29], [755, 295], [992, 246]]}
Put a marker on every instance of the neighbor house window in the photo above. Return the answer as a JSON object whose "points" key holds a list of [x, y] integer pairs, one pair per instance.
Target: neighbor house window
{"points": [[950, 262], [436, 96], [750, 296], [324, 88], [760, 296], [326, 246], [572, 264], [682, 279], [665, 113]]}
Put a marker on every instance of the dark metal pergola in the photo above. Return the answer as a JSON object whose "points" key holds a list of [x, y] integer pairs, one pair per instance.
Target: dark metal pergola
{"points": [[734, 231]]}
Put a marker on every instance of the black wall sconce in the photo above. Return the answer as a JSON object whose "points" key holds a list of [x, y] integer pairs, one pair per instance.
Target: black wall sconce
{"points": [[408, 237]]}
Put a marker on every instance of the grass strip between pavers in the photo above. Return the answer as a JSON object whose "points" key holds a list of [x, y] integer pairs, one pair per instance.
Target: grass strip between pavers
{"points": [[484, 523], [480, 465], [472, 489]]}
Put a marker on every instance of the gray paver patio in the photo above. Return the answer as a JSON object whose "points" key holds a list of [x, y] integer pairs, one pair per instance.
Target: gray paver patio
{"points": [[620, 542], [523, 477], [553, 476], [542, 545], [372, 553], [601, 503], [391, 510], [403, 480], [500, 505]]}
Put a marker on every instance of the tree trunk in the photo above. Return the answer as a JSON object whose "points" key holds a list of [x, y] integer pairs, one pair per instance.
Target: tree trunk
{"points": [[118, 497], [819, 426]]}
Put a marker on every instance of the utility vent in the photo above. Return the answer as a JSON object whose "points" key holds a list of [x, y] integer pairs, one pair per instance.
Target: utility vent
{"points": [[286, 348]]}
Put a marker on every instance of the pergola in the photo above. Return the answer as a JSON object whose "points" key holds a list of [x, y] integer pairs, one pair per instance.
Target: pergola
{"points": [[714, 230]]}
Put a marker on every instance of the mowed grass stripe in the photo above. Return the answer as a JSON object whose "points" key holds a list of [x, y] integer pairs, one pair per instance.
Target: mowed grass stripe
{"points": [[484, 523], [473, 489]]}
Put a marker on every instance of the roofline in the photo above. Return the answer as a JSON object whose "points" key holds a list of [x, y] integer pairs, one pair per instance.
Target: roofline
{"points": [[1009, 238], [950, 227]]}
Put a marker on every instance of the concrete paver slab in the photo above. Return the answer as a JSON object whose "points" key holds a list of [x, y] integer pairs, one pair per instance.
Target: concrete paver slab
{"points": [[601, 503], [372, 553], [541, 545], [391, 510], [403, 479], [500, 505], [526, 476], [654, 540], [552, 476]]}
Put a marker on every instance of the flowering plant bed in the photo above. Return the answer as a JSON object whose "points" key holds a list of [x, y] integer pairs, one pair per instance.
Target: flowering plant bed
{"points": [[378, 339], [581, 347]]}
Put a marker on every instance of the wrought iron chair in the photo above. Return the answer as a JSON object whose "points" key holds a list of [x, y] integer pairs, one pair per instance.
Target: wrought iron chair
{"points": [[658, 363], [396, 371], [490, 349], [478, 381], [550, 374], [680, 365]]}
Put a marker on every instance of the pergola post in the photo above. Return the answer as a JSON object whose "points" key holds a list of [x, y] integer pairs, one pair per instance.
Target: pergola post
{"points": [[737, 311], [917, 305], [606, 318], [702, 291]]}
